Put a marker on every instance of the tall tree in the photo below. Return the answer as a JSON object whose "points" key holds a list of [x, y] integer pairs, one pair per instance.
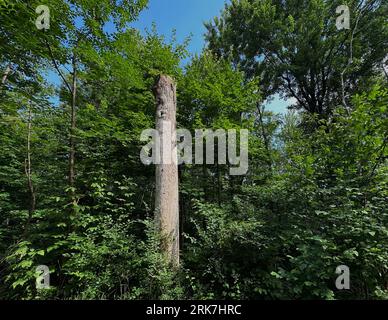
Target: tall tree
{"points": [[297, 51]]}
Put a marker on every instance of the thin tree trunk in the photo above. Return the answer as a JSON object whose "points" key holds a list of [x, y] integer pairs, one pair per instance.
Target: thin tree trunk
{"points": [[72, 128], [350, 62], [219, 185], [265, 137], [28, 171], [204, 179], [167, 196]]}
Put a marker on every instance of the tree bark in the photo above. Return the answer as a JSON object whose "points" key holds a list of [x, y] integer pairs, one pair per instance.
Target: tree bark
{"points": [[28, 170], [73, 125], [167, 196]]}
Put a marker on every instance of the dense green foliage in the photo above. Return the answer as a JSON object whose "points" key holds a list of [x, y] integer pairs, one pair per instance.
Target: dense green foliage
{"points": [[296, 49], [314, 197]]}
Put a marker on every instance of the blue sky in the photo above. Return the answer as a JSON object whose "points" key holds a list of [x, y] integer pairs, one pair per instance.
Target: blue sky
{"points": [[187, 17]]}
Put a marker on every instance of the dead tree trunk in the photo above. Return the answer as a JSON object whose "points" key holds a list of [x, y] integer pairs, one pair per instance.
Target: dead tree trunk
{"points": [[166, 197]]}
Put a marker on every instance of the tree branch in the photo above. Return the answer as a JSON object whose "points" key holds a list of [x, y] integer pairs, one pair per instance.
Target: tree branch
{"points": [[57, 67]]}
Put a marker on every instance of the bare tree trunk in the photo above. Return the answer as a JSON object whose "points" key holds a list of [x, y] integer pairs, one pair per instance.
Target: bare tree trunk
{"points": [[28, 170], [5, 74], [350, 62], [167, 196], [73, 126]]}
